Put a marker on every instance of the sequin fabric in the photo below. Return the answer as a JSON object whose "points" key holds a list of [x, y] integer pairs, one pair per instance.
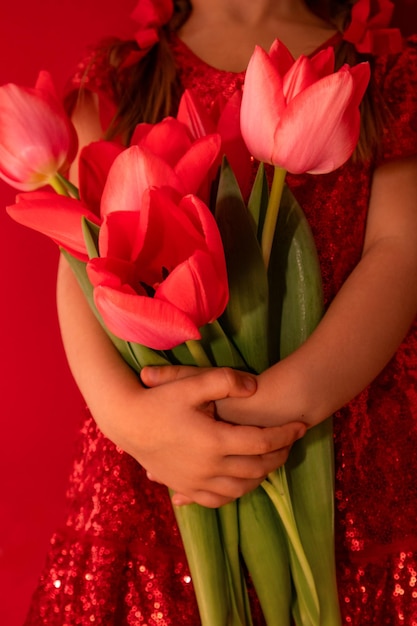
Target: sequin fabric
{"points": [[119, 559]]}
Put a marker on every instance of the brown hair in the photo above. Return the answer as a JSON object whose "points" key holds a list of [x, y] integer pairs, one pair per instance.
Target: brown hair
{"points": [[149, 91]]}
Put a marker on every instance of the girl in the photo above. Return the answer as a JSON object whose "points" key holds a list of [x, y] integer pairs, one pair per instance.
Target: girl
{"points": [[120, 560]]}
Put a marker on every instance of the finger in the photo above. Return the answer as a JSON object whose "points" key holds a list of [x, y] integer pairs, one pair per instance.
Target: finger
{"points": [[254, 468], [208, 499], [179, 499], [235, 440], [214, 383], [153, 376], [153, 478], [217, 383]]}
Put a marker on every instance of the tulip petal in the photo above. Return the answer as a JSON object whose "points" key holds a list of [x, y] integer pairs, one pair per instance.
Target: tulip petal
{"points": [[323, 62], [192, 168], [194, 287], [56, 216], [95, 162], [192, 113], [148, 321], [228, 125], [115, 273], [133, 171], [305, 72], [121, 235], [361, 74], [171, 235], [169, 139], [315, 134], [281, 57], [209, 230], [262, 105]]}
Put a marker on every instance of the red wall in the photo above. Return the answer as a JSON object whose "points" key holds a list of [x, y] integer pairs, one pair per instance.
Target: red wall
{"points": [[40, 407]]}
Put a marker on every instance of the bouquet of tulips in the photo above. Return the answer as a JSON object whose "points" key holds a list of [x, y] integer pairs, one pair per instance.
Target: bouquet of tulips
{"points": [[177, 277]]}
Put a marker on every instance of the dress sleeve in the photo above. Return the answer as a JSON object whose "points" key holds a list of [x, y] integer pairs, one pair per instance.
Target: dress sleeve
{"points": [[399, 93], [95, 74]]}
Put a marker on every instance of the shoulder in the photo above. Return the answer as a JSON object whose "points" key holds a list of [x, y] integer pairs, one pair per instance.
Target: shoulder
{"points": [[97, 74], [396, 80], [398, 70], [94, 71]]}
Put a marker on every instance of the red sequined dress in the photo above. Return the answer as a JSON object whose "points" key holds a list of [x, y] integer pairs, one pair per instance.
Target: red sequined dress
{"points": [[119, 558]]}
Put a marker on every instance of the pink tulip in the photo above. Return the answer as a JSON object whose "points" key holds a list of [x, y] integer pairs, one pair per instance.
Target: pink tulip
{"points": [[55, 216], [161, 273], [37, 140], [301, 116], [222, 118]]}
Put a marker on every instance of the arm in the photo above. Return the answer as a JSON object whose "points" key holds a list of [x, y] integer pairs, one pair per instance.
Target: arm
{"points": [[361, 329], [172, 430], [365, 323]]}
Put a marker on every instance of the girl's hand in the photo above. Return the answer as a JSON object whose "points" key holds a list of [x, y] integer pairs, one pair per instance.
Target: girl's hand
{"points": [[172, 429], [202, 459]]}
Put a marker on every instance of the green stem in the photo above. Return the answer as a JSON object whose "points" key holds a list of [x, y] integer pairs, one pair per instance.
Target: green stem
{"points": [[274, 201], [198, 353], [58, 185], [72, 189], [277, 489]]}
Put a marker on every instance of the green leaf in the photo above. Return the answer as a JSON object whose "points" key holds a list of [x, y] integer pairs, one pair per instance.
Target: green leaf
{"points": [[220, 350], [258, 200], [246, 316], [296, 308], [296, 298], [182, 355], [146, 356]]}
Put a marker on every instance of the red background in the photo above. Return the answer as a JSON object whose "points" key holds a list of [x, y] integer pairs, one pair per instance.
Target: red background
{"points": [[41, 407]]}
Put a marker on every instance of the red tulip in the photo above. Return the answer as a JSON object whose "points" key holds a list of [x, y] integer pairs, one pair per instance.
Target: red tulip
{"points": [[300, 116], [168, 150], [95, 163], [37, 140], [224, 119], [161, 273], [55, 216]]}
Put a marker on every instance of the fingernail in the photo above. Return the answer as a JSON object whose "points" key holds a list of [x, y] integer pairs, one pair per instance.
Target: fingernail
{"points": [[300, 433], [151, 373], [249, 383]]}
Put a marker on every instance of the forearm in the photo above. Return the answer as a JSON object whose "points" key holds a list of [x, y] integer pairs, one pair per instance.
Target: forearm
{"points": [[104, 379], [356, 338]]}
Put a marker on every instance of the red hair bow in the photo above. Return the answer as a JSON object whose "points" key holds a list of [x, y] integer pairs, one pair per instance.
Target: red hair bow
{"points": [[150, 16], [368, 30]]}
